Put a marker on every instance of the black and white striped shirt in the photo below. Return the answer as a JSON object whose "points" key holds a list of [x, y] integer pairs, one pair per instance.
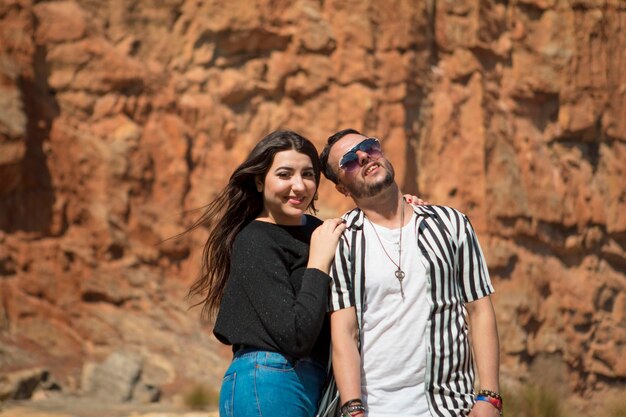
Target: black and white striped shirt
{"points": [[456, 274]]}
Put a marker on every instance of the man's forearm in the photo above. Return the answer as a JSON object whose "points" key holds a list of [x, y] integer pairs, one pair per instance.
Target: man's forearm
{"points": [[347, 369], [346, 357], [485, 343]]}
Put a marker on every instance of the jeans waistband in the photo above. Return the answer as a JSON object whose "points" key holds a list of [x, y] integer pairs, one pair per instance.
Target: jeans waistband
{"points": [[241, 349]]}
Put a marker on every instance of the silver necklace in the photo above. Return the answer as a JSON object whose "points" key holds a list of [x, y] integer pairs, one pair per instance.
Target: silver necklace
{"points": [[399, 272]]}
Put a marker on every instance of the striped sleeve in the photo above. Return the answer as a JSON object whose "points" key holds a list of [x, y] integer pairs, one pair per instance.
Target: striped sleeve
{"points": [[340, 287], [472, 272]]}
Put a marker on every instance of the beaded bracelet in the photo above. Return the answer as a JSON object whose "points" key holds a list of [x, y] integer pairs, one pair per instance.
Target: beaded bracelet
{"points": [[489, 393], [350, 407], [491, 397]]}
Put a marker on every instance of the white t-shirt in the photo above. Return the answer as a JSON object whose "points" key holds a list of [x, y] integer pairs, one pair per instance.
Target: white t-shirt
{"points": [[393, 339]]}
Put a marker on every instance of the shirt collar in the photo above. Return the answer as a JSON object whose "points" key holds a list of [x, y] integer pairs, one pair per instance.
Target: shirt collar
{"points": [[356, 217]]}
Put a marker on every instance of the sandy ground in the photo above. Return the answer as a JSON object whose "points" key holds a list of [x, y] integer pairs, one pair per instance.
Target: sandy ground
{"points": [[67, 406]]}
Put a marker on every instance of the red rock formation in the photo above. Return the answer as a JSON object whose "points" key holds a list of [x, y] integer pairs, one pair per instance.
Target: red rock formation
{"points": [[119, 117]]}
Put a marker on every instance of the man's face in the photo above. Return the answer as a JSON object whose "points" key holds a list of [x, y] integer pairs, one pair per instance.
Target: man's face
{"points": [[369, 174]]}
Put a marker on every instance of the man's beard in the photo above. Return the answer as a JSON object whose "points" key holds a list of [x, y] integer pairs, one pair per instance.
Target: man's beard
{"points": [[362, 190]]}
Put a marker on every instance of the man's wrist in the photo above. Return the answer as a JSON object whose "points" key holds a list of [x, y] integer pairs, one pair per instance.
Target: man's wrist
{"points": [[352, 408], [491, 397]]}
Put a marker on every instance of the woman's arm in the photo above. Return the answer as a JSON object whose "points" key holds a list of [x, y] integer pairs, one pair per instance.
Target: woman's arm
{"points": [[324, 244], [262, 267]]}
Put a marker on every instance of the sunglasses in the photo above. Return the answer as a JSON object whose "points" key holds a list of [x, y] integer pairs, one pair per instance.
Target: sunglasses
{"points": [[350, 160]]}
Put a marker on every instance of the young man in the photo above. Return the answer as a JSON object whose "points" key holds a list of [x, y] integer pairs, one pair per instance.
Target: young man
{"points": [[411, 274]]}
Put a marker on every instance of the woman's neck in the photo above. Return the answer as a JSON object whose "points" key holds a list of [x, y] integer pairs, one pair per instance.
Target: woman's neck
{"points": [[283, 220]]}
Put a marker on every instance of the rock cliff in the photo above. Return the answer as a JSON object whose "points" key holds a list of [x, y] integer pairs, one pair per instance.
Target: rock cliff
{"points": [[119, 118]]}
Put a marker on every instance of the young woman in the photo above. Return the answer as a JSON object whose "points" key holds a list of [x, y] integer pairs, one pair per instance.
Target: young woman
{"points": [[265, 274]]}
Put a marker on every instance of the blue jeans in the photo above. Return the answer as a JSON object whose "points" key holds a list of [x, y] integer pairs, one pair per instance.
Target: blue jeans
{"points": [[267, 384]]}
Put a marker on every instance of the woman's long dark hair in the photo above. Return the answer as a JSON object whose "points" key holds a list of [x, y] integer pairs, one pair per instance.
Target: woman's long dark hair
{"points": [[234, 207]]}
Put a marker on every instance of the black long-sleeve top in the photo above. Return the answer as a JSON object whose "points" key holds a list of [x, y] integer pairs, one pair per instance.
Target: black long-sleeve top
{"points": [[272, 301]]}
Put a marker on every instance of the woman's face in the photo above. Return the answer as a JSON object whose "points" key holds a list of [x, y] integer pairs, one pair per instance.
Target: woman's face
{"points": [[288, 188]]}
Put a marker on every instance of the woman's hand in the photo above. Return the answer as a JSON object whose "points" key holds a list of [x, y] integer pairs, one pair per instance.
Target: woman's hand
{"points": [[413, 199], [324, 243]]}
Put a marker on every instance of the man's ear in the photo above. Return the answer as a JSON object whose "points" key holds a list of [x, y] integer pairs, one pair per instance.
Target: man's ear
{"points": [[343, 190]]}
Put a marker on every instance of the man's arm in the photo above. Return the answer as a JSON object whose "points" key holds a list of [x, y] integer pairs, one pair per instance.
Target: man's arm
{"points": [[484, 336], [346, 358]]}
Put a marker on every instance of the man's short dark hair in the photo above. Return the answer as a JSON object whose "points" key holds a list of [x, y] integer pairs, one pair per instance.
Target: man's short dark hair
{"points": [[327, 170]]}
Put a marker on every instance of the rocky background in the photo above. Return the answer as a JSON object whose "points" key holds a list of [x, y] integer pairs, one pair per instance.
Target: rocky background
{"points": [[119, 118]]}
